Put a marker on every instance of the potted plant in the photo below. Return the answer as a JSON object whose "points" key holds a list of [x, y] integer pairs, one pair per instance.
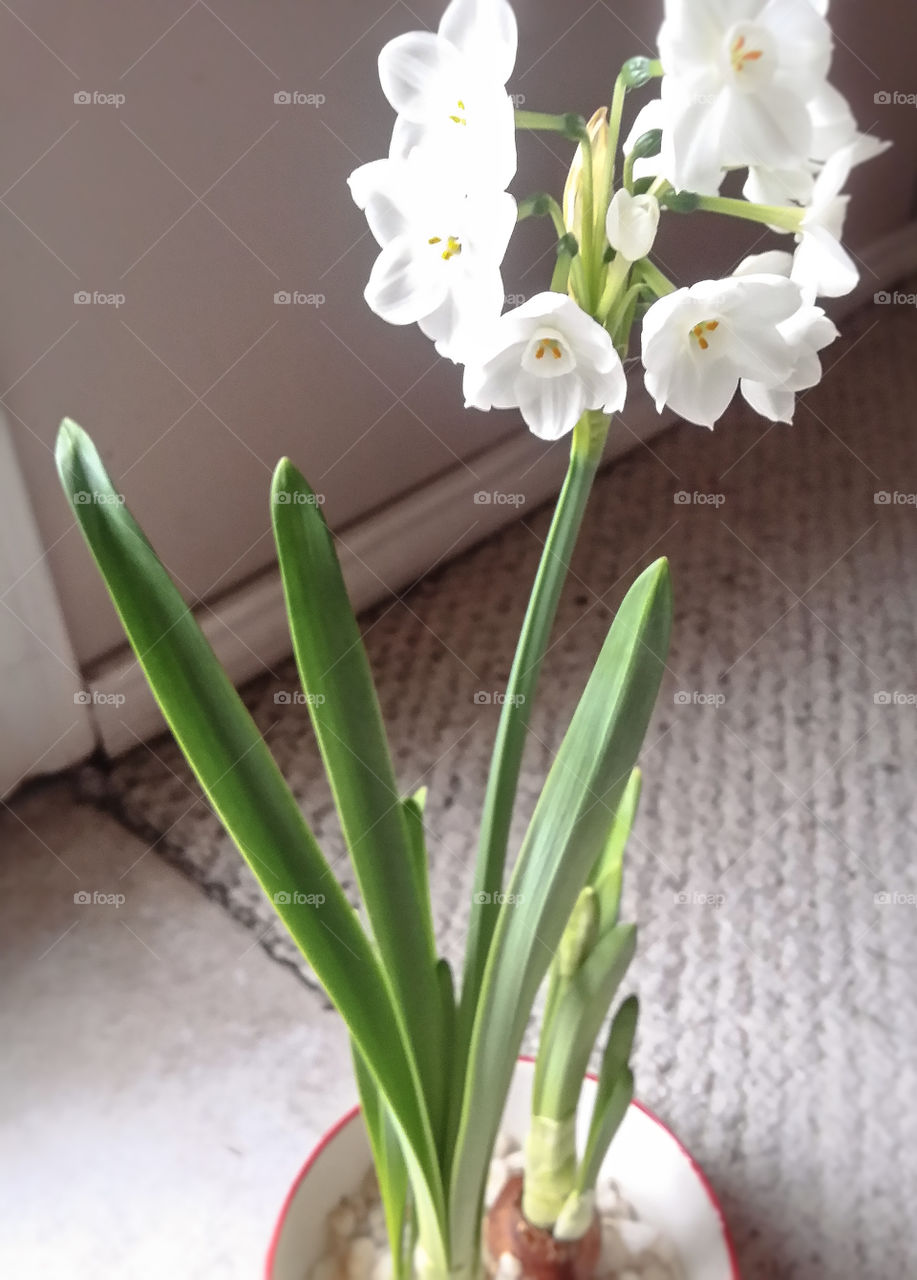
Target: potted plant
{"points": [[743, 86]]}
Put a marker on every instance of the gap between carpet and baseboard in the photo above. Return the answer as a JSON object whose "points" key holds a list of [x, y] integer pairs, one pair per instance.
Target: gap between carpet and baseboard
{"points": [[388, 551]]}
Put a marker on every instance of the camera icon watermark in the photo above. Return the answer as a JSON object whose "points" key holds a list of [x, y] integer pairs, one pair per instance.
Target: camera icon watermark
{"points": [[83, 898], [886, 498], [695, 698], [298, 98], [495, 498], [894, 298], [685, 499], [83, 298], [497, 899], [694, 899], [895, 899], [87, 498], [485, 698], [96, 698], [295, 898], [896, 698], [296, 498], [87, 98], [297, 298], [296, 698], [894, 98]]}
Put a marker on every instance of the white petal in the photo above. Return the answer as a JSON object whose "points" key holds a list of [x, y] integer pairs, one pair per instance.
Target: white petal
{"points": [[485, 30], [775, 403], [551, 407], [417, 71], [373, 187], [701, 391], [401, 288], [631, 224], [822, 266], [775, 262]]}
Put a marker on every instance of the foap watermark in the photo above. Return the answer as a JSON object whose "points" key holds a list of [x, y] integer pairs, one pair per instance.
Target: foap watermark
{"points": [[694, 899], [895, 899], [294, 898], [894, 698], [894, 98], [495, 498], [685, 499], [83, 298], [96, 98], [89, 498], [296, 698], [497, 899], [296, 498], [695, 698], [296, 298], [484, 698], [895, 498], [298, 98], [83, 898], [96, 698], [894, 298]]}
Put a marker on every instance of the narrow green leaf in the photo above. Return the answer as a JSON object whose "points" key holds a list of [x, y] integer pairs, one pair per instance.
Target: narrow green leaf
{"points": [[569, 828], [420, 866], [606, 876], [391, 1170], [606, 1121], [244, 785], [345, 713]]}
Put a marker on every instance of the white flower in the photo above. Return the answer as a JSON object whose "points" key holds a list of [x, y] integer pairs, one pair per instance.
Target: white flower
{"points": [[738, 77], [822, 266], [441, 249], [631, 224], [806, 333], [652, 115], [448, 90], [699, 342], [550, 360]]}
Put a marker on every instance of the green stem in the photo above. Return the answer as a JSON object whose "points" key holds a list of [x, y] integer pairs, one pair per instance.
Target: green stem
{"points": [[588, 440], [542, 205], [588, 220], [570, 124], [786, 218], [615, 115], [659, 283]]}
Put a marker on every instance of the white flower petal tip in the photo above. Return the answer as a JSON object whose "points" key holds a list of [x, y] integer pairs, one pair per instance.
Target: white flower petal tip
{"points": [[631, 224], [550, 360]]}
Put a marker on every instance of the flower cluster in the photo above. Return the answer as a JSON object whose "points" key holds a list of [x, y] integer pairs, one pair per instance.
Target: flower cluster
{"points": [[743, 86]]}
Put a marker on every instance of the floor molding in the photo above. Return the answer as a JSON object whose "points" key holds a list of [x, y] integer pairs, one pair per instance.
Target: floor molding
{"points": [[387, 551]]}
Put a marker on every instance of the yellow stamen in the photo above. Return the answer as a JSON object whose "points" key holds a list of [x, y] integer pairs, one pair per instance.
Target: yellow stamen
{"points": [[741, 58], [453, 248], [699, 330], [550, 344], [459, 119]]}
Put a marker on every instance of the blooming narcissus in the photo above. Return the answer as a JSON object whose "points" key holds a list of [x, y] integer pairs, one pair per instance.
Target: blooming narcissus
{"points": [[698, 343], [807, 332], [551, 361], [739, 75], [449, 90], [441, 249]]}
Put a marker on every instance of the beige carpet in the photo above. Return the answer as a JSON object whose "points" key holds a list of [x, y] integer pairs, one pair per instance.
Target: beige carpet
{"points": [[779, 992]]}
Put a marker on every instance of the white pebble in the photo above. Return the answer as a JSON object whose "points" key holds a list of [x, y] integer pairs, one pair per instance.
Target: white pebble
{"points": [[496, 1181], [637, 1237], [508, 1267], [343, 1221], [613, 1255], [361, 1258], [515, 1163]]}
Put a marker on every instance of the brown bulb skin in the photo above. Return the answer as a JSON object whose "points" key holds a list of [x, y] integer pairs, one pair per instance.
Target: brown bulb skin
{"points": [[506, 1230]]}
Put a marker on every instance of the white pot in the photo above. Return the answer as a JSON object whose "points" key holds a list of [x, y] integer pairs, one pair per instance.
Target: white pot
{"points": [[654, 1171]]}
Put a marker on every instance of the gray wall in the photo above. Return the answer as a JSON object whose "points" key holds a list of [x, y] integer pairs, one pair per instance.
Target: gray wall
{"points": [[103, 198]]}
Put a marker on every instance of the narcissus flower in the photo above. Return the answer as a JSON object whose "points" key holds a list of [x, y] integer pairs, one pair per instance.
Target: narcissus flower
{"points": [[441, 249], [448, 90], [739, 76], [631, 224], [699, 342], [822, 266], [806, 333], [551, 361]]}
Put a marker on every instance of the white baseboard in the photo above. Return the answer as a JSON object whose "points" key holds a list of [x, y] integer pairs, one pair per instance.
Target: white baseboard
{"points": [[387, 551]]}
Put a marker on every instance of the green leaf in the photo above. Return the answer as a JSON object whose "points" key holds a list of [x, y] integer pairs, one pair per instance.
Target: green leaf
{"points": [[569, 828], [391, 1170], [613, 1095], [242, 782], [578, 1018], [381, 832]]}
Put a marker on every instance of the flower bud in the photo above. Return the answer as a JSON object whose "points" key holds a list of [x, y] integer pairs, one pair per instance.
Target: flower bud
{"points": [[631, 224], [597, 128], [579, 936]]}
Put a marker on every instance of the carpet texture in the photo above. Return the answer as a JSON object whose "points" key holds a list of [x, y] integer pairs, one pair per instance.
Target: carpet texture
{"points": [[772, 869]]}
